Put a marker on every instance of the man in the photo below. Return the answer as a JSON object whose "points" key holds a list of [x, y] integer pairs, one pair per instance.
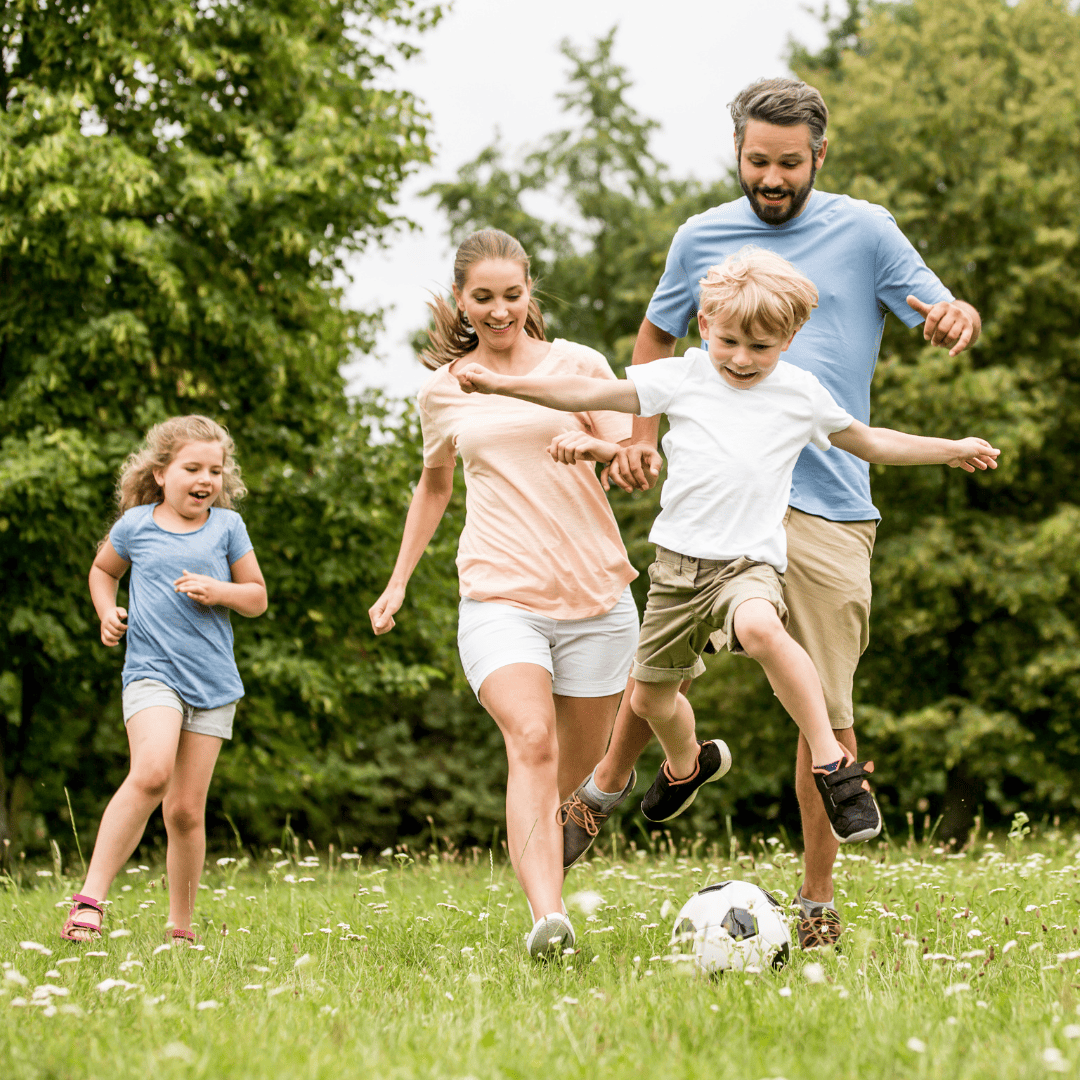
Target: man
{"points": [[863, 267]]}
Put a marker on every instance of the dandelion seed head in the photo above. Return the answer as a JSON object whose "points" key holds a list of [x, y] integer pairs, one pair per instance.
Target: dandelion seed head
{"points": [[814, 973], [1054, 1059], [916, 1045], [178, 1051], [587, 901]]}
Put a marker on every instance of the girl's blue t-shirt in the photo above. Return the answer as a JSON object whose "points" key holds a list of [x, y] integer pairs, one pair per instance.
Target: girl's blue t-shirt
{"points": [[170, 637]]}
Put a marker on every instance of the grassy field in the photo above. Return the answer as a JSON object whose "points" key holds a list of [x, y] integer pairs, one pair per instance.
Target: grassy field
{"points": [[412, 965]]}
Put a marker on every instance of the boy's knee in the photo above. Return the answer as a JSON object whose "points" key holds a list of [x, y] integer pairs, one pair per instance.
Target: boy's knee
{"points": [[654, 701], [758, 627]]}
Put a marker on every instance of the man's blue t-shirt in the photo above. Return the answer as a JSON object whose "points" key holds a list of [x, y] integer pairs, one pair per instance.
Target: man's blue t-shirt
{"points": [[863, 266], [170, 637]]}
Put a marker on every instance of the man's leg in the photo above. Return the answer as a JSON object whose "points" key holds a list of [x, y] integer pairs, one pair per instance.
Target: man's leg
{"points": [[827, 591], [821, 845]]}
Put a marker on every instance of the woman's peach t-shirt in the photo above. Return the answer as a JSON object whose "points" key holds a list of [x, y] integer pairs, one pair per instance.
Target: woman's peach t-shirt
{"points": [[538, 535]]}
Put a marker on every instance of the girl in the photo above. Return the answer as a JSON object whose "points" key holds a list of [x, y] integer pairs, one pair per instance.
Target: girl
{"points": [[547, 627], [191, 562]]}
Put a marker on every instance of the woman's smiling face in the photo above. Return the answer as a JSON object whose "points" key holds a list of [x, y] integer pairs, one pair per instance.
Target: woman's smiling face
{"points": [[495, 297]]}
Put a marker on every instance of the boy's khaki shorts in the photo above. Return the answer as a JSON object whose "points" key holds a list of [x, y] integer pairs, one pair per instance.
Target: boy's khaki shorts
{"points": [[827, 590], [689, 600]]}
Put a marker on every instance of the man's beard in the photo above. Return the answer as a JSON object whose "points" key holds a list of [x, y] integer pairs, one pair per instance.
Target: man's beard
{"points": [[774, 215]]}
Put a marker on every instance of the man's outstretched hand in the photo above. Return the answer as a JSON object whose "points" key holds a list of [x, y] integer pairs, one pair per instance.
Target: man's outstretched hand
{"points": [[634, 468], [950, 323]]}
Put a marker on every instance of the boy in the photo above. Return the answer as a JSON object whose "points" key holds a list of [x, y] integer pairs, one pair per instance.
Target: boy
{"points": [[739, 418]]}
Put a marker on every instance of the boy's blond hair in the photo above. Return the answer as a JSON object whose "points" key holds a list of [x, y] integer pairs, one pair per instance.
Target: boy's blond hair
{"points": [[760, 291]]}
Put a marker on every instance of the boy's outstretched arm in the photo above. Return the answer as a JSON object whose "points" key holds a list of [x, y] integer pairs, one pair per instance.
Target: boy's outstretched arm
{"points": [[883, 446], [568, 393]]}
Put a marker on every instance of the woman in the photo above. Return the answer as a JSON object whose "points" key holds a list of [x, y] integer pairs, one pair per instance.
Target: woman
{"points": [[546, 627]]}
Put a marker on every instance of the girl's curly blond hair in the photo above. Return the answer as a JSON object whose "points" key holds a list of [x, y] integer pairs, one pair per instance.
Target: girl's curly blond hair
{"points": [[137, 486]]}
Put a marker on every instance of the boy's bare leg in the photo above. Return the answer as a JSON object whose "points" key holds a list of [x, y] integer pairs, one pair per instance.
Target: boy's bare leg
{"points": [[671, 717], [791, 674], [628, 741], [820, 844]]}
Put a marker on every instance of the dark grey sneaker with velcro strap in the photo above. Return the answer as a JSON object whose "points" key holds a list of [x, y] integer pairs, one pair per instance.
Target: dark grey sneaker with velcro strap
{"points": [[853, 811]]}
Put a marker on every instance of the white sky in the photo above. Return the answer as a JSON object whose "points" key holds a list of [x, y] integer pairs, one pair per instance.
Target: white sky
{"points": [[495, 64]]}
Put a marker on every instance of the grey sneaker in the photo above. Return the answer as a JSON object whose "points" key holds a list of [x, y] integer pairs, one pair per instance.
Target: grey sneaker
{"points": [[550, 936], [581, 819], [819, 927]]}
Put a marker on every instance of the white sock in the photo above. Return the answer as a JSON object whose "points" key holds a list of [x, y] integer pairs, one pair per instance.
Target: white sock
{"points": [[806, 905], [606, 800]]}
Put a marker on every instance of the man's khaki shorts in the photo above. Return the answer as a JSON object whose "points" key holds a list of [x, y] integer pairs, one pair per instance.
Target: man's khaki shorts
{"points": [[827, 590], [690, 599]]}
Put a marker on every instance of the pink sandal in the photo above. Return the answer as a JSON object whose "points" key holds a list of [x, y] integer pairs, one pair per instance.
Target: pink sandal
{"points": [[73, 923], [187, 935]]}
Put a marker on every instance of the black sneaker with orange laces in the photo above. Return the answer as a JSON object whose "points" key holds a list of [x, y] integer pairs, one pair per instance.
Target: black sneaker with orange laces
{"points": [[853, 811]]}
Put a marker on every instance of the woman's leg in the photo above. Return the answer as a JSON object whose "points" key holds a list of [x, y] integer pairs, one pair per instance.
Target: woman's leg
{"points": [[583, 726], [152, 737], [184, 811], [518, 697]]}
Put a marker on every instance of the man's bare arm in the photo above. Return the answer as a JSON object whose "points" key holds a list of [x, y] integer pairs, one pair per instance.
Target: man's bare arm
{"points": [[637, 465]]}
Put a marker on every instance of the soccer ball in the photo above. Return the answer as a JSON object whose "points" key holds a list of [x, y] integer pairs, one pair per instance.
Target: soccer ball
{"points": [[732, 926]]}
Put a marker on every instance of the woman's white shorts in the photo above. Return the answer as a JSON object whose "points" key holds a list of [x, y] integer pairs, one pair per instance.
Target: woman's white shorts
{"points": [[585, 657]]}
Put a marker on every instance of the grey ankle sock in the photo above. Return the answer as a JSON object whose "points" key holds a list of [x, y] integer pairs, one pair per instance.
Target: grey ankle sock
{"points": [[807, 905], [606, 800]]}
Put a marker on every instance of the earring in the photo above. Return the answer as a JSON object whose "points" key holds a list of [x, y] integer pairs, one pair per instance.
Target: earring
{"points": [[464, 320]]}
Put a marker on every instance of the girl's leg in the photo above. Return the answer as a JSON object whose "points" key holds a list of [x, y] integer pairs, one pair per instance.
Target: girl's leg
{"points": [[671, 717], [518, 697], [583, 726], [184, 811], [791, 674], [152, 737]]}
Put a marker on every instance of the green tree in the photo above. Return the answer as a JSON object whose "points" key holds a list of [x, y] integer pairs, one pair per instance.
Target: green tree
{"points": [[970, 688], [181, 184]]}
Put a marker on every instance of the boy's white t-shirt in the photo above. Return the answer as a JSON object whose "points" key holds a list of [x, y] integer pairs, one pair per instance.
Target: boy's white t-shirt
{"points": [[730, 453]]}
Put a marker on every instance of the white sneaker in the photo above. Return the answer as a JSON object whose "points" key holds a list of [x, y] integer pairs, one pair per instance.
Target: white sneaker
{"points": [[550, 936]]}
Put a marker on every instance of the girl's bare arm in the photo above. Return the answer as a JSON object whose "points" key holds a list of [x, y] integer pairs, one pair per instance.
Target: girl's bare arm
{"points": [[105, 574], [245, 594]]}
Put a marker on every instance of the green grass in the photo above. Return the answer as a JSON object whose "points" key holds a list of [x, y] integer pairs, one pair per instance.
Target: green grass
{"points": [[403, 968]]}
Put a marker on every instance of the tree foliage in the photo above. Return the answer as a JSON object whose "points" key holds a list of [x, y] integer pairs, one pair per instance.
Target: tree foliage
{"points": [[974, 145], [181, 183]]}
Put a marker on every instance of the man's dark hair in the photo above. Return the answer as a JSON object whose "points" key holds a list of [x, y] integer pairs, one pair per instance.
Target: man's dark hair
{"points": [[785, 102]]}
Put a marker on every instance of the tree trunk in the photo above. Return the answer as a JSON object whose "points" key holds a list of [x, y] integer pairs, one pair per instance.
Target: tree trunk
{"points": [[958, 811]]}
